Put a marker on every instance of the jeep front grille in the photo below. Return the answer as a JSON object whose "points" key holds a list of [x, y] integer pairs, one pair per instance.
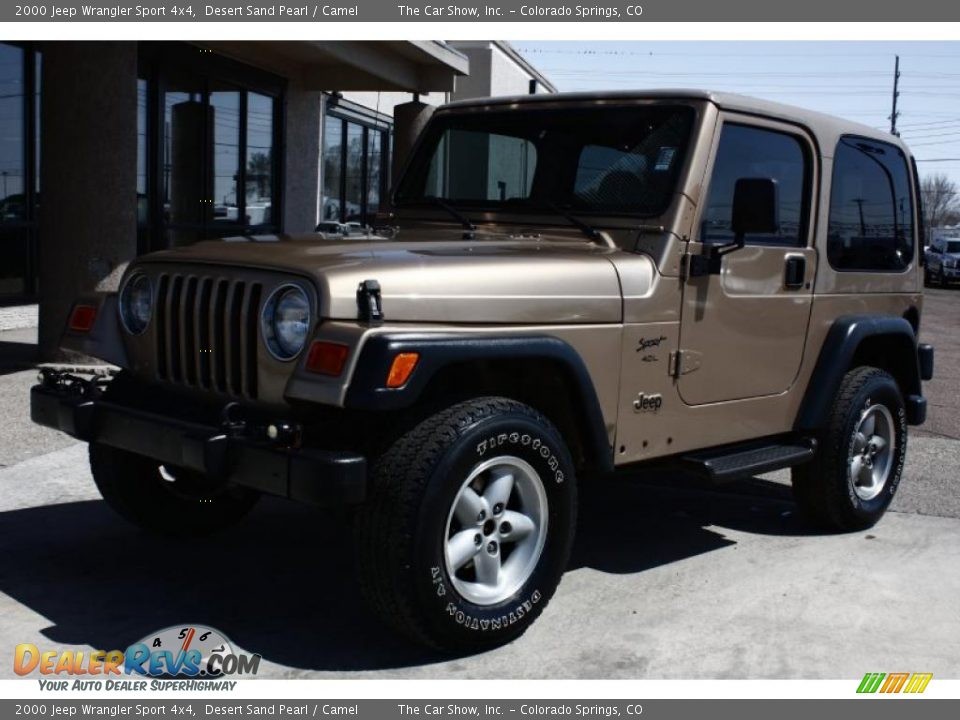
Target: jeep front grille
{"points": [[207, 333]]}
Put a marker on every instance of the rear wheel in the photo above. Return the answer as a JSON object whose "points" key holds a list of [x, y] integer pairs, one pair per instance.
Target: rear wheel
{"points": [[855, 475], [470, 525]]}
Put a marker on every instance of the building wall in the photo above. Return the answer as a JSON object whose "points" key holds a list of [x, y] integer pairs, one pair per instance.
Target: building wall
{"points": [[88, 167], [494, 72]]}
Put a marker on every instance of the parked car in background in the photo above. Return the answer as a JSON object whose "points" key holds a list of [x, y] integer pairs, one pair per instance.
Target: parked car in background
{"points": [[942, 264], [331, 229]]}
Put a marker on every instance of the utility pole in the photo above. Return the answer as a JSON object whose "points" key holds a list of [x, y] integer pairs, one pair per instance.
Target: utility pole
{"points": [[896, 93]]}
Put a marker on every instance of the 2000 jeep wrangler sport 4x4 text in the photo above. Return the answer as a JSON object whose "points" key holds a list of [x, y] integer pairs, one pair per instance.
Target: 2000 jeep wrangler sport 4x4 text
{"points": [[564, 286]]}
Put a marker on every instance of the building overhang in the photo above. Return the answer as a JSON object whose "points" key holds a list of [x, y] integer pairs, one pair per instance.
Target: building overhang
{"points": [[394, 65]]}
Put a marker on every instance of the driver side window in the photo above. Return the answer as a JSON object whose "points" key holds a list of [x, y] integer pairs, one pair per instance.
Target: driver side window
{"points": [[752, 152]]}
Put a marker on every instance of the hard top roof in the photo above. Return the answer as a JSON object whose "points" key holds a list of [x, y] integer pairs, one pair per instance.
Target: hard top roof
{"points": [[826, 127]]}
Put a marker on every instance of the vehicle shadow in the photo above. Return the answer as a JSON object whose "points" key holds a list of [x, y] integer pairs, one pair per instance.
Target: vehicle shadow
{"points": [[281, 584], [17, 356]]}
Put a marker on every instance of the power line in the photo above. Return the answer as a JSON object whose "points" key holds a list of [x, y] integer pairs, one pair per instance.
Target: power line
{"points": [[933, 135], [761, 55]]}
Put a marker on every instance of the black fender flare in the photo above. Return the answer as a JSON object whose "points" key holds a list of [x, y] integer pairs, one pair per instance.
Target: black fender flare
{"points": [[367, 387], [839, 349]]}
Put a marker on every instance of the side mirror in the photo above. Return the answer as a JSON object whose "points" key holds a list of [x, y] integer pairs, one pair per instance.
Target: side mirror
{"points": [[755, 207], [755, 210]]}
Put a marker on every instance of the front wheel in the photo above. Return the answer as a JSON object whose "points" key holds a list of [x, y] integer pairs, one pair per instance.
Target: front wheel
{"points": [[163, 499], [470, 525], [852, 481]]}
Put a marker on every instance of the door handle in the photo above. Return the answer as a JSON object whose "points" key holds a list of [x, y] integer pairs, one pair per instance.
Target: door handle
{"points": [[794, 272]]}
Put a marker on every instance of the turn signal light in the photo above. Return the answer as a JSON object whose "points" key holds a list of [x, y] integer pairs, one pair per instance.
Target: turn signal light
{"points": [[401, 369], [82, 318], [327, 358]]}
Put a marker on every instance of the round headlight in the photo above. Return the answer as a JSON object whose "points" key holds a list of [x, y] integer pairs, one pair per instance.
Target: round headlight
{"points": [[136, 304], [286, 318]]}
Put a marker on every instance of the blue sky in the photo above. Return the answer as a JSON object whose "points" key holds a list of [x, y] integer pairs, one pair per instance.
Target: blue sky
{"points": [[850, 79]]}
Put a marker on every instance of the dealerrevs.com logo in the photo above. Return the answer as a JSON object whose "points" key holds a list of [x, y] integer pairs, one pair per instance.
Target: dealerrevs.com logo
{"points": [[180, 657]]}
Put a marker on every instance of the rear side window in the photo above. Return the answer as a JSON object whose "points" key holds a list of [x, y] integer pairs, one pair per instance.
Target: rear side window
{"points": [[871, 208], [750, 152]]}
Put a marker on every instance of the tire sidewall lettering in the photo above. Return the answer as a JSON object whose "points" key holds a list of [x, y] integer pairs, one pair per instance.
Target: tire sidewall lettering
{"points": [[495, 444], [505, 619]]}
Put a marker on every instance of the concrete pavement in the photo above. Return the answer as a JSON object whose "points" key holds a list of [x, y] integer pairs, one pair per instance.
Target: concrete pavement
{"points": [[667, 581]]}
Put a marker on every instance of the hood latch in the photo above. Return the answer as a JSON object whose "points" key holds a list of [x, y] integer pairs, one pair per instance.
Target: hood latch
{"points": [[369, 303]]}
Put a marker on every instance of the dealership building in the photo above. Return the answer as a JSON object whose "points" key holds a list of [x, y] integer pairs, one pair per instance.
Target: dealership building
{"points": [[113, 149]]}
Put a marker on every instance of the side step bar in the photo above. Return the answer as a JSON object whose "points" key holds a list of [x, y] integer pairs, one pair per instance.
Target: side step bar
{"points": [[742, 461]]}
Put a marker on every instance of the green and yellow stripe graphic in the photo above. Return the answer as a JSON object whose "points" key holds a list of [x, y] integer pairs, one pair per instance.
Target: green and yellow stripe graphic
{"points": [[894, 682]]}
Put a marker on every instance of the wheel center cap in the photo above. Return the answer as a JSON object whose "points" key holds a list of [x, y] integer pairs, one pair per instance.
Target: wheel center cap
{"points": [[488, 527]]}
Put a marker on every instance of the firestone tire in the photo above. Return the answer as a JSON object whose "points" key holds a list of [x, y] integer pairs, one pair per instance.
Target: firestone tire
{"points": [[470, 525], [175, 502], [853, 479]]}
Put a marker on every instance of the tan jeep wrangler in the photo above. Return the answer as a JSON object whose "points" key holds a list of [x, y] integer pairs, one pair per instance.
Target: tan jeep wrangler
{"points": [[565, 286]]}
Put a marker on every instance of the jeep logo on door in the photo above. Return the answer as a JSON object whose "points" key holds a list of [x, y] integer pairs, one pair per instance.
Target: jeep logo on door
{"points": [[647, 403]]}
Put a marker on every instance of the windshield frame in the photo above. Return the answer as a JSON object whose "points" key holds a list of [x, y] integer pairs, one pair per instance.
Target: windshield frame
{"points": [[422, 153]]}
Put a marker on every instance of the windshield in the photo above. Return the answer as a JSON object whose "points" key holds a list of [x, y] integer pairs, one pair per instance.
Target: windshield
{"points": [[601, 159], [952, 247]]}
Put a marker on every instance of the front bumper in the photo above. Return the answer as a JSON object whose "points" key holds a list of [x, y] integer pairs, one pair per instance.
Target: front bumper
{"points": [[320, 477]]}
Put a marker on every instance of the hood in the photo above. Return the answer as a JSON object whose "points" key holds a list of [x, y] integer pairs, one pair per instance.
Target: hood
{"points": [[494, 279]]}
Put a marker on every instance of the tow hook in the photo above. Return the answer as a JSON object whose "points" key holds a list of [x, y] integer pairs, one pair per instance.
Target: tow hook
{"points": [[279, 433]]}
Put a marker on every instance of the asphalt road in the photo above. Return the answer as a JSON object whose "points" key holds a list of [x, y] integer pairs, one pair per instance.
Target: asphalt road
{"points": [[940, 326], [668, 580]]}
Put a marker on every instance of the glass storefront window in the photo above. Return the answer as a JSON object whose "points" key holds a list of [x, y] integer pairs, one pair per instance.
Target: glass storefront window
{"points": [[224, 110], [353, 199], [12, 142], [182, 154], [142, 200], [19, 170], [374, 171], [218, 161], [259, 190], [354, 169], [38, 73], [332, 168]]}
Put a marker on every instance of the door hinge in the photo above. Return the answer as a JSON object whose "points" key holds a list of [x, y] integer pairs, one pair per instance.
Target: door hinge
{"points": [[682, 362]]}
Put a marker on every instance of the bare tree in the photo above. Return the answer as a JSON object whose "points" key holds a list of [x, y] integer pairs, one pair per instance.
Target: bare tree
{"points": [[941, 200]]}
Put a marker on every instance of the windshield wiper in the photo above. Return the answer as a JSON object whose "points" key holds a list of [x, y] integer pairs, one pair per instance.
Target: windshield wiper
{"points": [[453, 212], [588, 230]]}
